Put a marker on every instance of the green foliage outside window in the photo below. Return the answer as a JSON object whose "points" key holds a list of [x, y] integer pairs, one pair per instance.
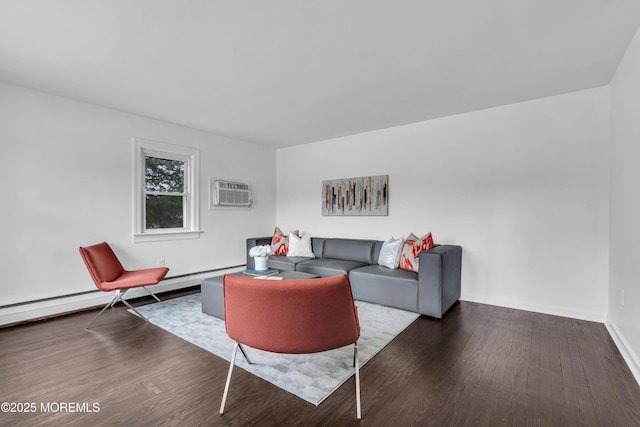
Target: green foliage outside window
{"points": [[164, 186]]}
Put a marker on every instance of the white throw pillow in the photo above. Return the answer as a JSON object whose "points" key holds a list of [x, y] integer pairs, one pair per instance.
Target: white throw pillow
{"points": [[300, 246], [390, 253]]}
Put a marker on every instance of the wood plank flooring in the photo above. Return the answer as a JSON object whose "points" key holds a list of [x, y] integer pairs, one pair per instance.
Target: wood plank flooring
{"points": [[479, 366]]}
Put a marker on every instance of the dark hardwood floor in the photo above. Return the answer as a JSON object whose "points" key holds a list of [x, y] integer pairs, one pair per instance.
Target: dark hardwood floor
{"points": [[479, 366]]}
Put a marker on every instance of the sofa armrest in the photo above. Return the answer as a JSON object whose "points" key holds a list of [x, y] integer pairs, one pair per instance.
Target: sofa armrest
{"points": [[439, 279], [255, 241]]}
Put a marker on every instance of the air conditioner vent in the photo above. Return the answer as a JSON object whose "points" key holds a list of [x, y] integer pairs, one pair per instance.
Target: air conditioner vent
{"points": [[232, 194]]}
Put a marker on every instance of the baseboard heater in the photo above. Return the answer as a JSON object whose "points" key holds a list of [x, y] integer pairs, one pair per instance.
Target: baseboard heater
{"points": [[95, 291]]}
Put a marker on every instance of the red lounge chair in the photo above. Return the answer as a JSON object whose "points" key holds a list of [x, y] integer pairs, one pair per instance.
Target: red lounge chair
{"points": [[291, 316], [109, 275]]}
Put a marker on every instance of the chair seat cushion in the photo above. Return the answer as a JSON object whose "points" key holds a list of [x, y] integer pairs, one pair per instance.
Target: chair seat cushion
{"points": [[134, 279]]}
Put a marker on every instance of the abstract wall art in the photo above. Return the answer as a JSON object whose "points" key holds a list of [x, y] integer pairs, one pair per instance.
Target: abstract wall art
{"points": [[367, 195]]}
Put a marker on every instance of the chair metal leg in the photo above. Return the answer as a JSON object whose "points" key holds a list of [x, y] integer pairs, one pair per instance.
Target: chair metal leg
{"points": [[116, 298], [119, 297], [109, 304], [136, 312], [354, 357], [226, 387], [357, 366], [151, 293], [244, 353], [237, 345]]}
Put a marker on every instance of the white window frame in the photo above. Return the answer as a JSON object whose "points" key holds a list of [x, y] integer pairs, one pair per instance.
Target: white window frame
{"points": [[191, 157]]}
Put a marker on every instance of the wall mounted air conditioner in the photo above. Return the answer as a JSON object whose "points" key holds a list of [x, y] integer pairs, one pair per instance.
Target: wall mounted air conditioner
{"points": [[230, 194]]}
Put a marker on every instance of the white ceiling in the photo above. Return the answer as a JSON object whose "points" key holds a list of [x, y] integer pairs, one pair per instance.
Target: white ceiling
{"points": [[288, 72]]}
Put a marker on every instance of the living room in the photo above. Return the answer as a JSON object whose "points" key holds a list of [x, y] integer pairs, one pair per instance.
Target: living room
{"points": [[539, 193]]}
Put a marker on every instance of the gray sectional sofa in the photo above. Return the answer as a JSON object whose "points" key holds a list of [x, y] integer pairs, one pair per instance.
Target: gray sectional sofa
{"points": [[431, 291]]}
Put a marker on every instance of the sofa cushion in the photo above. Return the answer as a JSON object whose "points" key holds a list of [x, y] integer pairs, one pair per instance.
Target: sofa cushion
{"points": [[280, 242], [300, 246], [425, 243], [317, 244], [390, 253], [377, 247], [327, 267], [380, 285], [411, 251], [408, 261], [283, 262], [350, 250]]}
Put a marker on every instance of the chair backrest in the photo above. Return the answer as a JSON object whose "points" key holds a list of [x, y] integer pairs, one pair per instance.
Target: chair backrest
{"points": [[102, 263], [291, 316]]}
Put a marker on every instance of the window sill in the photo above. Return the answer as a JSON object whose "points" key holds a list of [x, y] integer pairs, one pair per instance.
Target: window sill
{"points": [[159, 236]]}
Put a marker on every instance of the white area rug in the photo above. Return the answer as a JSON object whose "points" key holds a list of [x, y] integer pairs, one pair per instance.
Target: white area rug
{"points": [[312, 377]]}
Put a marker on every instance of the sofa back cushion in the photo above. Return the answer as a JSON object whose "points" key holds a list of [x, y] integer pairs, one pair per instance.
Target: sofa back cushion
{"points": [[350, 250], [317, 244], [377, 247]]}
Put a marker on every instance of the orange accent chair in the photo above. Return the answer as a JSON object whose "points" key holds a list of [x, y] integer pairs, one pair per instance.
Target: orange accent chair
{"points": [[109, 275], [291, 316]]}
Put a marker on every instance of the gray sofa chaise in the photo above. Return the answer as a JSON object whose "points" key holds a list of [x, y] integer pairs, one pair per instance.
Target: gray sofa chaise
{"points": [[431, 291]]}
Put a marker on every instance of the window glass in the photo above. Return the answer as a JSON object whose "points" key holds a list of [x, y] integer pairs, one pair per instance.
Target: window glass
{"points": [[164, 212], [165, 192], [164, 175], [164, 188]]}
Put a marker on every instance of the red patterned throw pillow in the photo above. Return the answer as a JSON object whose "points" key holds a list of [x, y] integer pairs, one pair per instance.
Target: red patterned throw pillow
{"points": [[407, 260], [280, 242], [423, 244], [411, 251]]}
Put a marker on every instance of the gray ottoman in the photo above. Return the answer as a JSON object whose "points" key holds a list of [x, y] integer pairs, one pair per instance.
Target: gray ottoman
{"points": [[213, 295]]}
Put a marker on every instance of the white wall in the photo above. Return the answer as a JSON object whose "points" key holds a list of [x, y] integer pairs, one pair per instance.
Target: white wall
{"points": [[624, 316], [522, 188], [67, 182]]}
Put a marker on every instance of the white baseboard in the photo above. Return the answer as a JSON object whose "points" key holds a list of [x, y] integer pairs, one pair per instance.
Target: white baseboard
{"points": [[56, 307], [551, 310], [629, 356]]}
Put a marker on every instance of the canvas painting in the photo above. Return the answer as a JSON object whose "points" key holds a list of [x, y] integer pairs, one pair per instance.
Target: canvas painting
{"points": [[367, 195]]}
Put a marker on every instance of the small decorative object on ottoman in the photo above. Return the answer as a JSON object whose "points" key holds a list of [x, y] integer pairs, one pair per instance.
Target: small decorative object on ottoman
{"points": [[260, 255]]}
